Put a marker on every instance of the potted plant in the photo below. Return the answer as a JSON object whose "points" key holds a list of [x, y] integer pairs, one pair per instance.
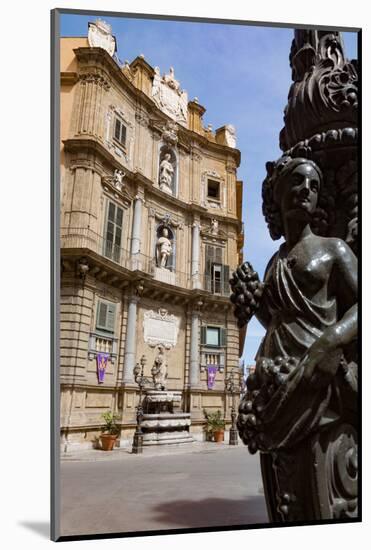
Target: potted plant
{"points": [[215, 425], [110, 430]]}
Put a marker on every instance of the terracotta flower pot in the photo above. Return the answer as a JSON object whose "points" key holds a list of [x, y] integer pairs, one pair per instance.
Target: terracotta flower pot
{"points": [[108, 441], [219, 436]]}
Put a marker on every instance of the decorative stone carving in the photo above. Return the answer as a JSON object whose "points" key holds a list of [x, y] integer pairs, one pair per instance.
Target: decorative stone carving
{"points": [[163, 249], [142, 118], [167, 219], [159, 369], [169, 97], [230, 136], [214, 227], [95, 78], [100, 36], [160, 328], [170, 133], [206, 201], [212, 232], [116, 183], [118, 178], [324, 87]]}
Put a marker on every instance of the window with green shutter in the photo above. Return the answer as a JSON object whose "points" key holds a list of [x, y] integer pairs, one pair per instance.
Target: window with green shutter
{"points": [[213, 336], [216, 274], [113, 232], [106, 316]]}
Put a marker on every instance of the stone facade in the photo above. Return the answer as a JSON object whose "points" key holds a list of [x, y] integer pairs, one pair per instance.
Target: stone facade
{"points": [[117, 300]]}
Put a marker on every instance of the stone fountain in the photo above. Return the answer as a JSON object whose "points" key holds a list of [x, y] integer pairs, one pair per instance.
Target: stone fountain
{"points": [[163, 422]]}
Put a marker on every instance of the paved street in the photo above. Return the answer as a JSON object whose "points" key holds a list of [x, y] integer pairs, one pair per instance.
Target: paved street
{"points": [[212, 485]]}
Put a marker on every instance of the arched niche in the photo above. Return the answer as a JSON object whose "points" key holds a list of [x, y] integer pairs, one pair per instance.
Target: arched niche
{"points": [[165, 252], [168, 169]]}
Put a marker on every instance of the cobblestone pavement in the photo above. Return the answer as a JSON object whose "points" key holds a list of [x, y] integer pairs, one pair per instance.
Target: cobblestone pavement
{"points": [[193, 486]]}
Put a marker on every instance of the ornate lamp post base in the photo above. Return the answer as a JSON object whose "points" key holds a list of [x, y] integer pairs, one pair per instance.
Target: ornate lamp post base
{"points": [[137, 447], [233, 433]]}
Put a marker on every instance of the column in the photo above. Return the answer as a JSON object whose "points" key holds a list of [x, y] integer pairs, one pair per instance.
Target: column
{"points": [[130, 341], [195, 352], [137, 225], [196, 254]]}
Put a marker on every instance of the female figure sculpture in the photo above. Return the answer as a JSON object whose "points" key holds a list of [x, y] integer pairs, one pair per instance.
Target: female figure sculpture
{"points": [[159, 369], [305, 375]]}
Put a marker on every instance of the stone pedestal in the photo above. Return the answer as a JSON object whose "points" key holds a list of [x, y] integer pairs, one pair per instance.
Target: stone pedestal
{"points": [[162, 424]]}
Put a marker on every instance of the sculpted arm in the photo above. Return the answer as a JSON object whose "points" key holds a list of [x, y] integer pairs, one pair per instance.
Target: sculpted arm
{"points": [[343, 285]]}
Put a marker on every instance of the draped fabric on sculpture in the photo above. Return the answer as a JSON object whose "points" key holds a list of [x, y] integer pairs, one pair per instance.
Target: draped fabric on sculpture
{"points": [[299, 321]]}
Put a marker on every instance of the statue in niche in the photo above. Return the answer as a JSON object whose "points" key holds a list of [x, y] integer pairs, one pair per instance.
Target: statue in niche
{"points": [[159, 369], [163, 248], [166, 174], [306, 371]]}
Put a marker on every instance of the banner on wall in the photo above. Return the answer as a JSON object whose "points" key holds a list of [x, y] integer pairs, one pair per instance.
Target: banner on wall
{"points": [[211, 375], [102, 361]]}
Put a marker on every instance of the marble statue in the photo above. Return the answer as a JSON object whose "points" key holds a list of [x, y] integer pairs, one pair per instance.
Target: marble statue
{"points": [[214, 226], [166, 174], [118, 177], [163, 248], [230, 135], [159, 369]]}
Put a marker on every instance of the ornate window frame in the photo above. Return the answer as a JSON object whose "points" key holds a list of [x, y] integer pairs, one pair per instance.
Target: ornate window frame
{"points": [[124, 152], [208, 202]]}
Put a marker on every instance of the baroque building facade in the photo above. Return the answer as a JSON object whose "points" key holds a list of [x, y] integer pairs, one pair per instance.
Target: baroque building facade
{"points": [[150, 230]]}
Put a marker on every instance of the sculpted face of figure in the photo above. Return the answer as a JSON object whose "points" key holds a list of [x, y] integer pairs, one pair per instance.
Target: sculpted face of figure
{"points": [[165, 232], [299, 191]]}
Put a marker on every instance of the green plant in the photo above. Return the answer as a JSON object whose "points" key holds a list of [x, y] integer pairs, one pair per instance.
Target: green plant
{"points": [[111, 426], [214, 421]]}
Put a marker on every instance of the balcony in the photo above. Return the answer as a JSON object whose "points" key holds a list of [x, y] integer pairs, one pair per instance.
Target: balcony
{"points": [[85, 238]]}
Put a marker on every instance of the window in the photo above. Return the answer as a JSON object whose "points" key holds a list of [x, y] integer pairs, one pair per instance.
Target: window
{"points": [[213, 190], [113, 232], [212, 336], [120, 132], [216, 278], [216, 274], [106, 313]]}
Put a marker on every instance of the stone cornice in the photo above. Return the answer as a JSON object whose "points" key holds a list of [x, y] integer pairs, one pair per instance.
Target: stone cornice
{"points": [[102, 60]]}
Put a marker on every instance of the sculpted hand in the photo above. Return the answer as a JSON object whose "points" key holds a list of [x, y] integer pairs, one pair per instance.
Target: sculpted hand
{"points": [[322, 360]]}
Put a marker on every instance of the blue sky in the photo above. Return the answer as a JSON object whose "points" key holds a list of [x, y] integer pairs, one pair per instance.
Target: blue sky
{"points": [[241, 75]]}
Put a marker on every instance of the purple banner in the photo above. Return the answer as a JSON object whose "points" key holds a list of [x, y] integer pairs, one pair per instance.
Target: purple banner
{"points": [[102, 361], [211, 375]]}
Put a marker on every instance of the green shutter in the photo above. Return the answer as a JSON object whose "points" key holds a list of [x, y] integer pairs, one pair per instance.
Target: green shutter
{"points": [[111, 317], [106, 316], [225, 275], [101, 315], [203, 336], [223, 337], [113, 232], [218, 254], [209, 259]]}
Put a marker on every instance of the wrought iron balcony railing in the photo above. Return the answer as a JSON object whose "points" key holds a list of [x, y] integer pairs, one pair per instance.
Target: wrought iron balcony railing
{"points": [[85, 238]]}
